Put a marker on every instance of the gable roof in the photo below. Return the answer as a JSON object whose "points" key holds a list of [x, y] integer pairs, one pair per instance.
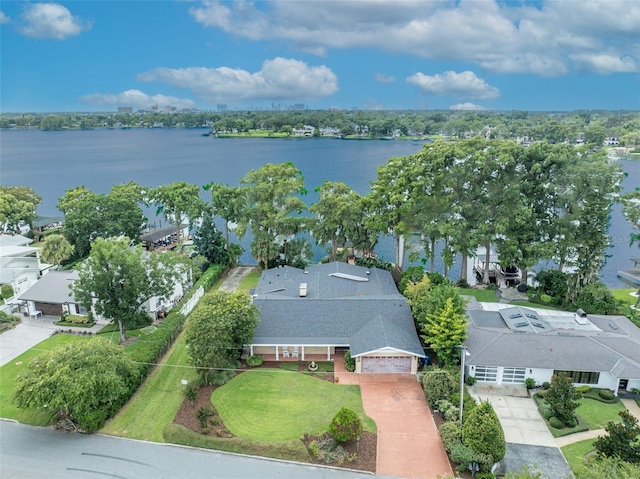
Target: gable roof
{"points": [[598, 343], [344, 306], [53, 288], [14, 240]]}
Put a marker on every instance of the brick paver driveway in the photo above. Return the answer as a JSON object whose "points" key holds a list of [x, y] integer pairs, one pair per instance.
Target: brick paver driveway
{"points": [[409, 445]]}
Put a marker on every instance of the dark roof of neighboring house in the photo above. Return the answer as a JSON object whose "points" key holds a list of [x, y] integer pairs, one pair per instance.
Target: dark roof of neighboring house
{"points": [[352, 308], [42, 221], [159, 233], [52, 288], [604, 343]]}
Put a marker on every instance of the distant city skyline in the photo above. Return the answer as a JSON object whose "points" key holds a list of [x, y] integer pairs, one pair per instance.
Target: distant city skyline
{"points": [[98, 56]]}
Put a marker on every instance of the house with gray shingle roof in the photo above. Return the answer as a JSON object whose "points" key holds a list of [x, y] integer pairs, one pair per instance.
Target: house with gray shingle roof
{"points": [[328, 308], [510, 343], [52, 294]]}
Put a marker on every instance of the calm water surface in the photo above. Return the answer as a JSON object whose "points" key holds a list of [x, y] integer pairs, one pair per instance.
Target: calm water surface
{"points": [[52, 162]]}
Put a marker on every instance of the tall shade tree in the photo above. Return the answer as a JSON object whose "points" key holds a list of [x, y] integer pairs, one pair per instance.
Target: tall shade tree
{"points": [[219, 327], [631, 210], [56, 249], [18, 206], [229, 203], [334, 213], [274, 208], [117, 280], [445, 330], [89, 215], [208, 242], [86, 382], [178, 202]]}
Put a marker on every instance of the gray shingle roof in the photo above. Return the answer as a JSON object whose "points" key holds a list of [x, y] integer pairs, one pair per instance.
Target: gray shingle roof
{"points": [[336, 310], [52, 288]]}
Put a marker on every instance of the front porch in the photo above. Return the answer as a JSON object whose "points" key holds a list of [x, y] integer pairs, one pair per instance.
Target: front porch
{"points": [[284, 352]]}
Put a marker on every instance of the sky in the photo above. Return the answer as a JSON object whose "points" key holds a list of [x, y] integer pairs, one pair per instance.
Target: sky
{"points": [[346, 54]]}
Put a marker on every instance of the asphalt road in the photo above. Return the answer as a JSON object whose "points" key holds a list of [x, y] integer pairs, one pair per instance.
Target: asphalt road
{"points": [[28, 452]]}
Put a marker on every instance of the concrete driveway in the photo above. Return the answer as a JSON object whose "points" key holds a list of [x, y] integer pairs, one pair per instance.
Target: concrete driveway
{"points": [[234, 277]]}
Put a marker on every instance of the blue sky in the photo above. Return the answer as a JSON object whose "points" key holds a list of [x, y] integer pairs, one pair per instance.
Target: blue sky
{"points": [[365, 54]]}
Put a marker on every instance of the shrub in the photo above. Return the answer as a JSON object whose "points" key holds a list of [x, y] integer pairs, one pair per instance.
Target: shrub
{"points": [[190, 392], [218, 377], [562, 397], [545, 412], [452, 414], [553, 283], [203, 414], [450, 434], [254, 361], [328, 451], [597, 298], [349, 362], [6, 291], [215, 421], [622, 440], [583, 389], [485, 475], [605, 394], [471, 380], [545, 298], [438, 384], [345, 425], [413, 274], [546, 385], [530, 383], [76, 318], [482, 432], [556, 423], [464, 455], [571, 422]]}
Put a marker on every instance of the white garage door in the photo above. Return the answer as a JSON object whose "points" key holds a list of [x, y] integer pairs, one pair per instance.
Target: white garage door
{"points": [[386, 364], [486, 374], [513, 375]]}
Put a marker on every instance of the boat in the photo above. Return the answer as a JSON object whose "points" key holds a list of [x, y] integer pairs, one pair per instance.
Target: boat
{"points": [[499, 274], [631, 276]]}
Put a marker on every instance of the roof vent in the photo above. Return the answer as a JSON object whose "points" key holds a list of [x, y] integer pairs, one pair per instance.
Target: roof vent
{"points": [[581, 320], [582, 313], [303, 290]]}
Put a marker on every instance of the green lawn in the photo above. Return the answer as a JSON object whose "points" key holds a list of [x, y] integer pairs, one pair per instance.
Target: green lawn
{"points": [[482, 295], [598, 414], [10, 371], [624, 295], [157, 400], [275, 405], [574, 453], [249, 281]]}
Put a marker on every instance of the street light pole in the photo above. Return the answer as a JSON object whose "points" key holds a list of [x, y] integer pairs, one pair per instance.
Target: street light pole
{"points": [[463, 353]]}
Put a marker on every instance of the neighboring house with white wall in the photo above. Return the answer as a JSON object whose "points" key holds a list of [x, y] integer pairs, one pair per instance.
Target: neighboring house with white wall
{"points": [[507, 344]]}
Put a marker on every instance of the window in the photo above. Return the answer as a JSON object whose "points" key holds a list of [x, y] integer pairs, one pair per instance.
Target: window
{"points": [[582, 377], [487, 374], [513, 375]]}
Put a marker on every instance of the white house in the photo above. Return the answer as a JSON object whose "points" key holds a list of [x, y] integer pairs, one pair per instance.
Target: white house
{"points": [[507, 344]]}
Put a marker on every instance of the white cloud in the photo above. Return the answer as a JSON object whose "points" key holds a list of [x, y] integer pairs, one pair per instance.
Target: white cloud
{"points": [[465, 85], [51, 20], [604, 63], [507, 37], [465, 106], [382, 78], [137, 99], [4, 18], [279, 79]]}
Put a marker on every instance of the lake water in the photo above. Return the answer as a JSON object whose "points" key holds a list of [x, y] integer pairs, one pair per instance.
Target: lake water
{"points": [[52, 162]]}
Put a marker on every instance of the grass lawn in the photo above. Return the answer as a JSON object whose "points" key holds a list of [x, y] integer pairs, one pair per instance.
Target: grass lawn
{"points": [[157, 400], [482, 295], [598, 414], [10, 371], [574, 453], [528, 304], [249, 281], [274, 405], [624, 295]]}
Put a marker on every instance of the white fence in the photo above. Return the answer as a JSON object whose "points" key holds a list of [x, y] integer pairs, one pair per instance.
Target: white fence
{"points": [[189, 305]]}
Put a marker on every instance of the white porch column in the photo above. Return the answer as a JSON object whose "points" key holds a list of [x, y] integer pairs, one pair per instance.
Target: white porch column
{"points": [[251, 349], [328, 353], [277, 354], [303, 353]]}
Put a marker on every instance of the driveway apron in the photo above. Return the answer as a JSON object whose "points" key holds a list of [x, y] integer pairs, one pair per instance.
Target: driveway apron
{"points": [[409, 444]]}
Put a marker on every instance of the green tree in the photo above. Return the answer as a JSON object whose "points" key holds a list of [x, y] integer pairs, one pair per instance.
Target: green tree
{"points": [[623, 440], [178, 202], [609, 467], [86, 382], [562, 398], [445, 330], [208, 242], [438, 385], [345, 425], [117, 280], [219, 327], [631, 211], [229, 203], [56, 249], [413, 274], [6, 291], [334, 214], [597, 298], [273, 208], [18, 206], [483, 433], [595, 134]]}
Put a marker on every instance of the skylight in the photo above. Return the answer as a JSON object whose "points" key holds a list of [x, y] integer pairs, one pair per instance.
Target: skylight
{"points": [[350, 277]]}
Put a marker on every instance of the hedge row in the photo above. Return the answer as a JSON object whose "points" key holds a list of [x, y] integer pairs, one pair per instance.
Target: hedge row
{"points": [[293, 450]]}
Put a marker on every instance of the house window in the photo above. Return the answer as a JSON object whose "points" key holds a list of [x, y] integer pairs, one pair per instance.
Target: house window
{"points": [[513, 375], [581, 377], [487, 374]]}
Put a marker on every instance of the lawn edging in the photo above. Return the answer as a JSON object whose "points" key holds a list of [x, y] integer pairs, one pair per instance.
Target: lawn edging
{"points": [[292, 450]]}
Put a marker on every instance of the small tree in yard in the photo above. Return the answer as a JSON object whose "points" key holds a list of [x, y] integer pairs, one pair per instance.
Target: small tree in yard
{"points": [[345, 425], [6, 290], [483, 433], [438, 385], [623, 440], [86, 382], [563, 398]]}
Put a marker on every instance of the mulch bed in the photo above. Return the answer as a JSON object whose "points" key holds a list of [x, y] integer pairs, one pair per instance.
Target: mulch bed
{"points": [[366, 448]]}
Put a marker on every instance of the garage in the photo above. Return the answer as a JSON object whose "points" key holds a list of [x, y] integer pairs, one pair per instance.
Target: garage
{"points": [[386, 364]]}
